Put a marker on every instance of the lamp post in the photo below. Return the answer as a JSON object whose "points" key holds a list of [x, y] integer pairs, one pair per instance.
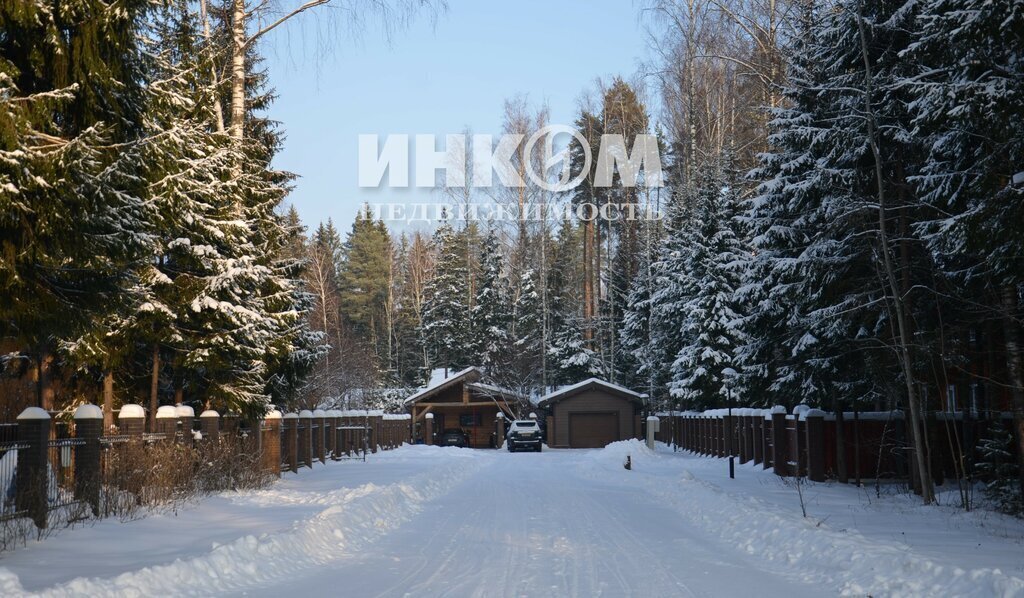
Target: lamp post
{"points": [[727, 375]]}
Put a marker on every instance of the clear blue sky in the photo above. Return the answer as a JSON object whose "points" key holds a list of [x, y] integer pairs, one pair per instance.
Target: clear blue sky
{"points": [[436, 78]]}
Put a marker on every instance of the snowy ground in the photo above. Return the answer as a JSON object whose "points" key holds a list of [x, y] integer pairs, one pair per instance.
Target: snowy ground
{"points": [[427, 521]]}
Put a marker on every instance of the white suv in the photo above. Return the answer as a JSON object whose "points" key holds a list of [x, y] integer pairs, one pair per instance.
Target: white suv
{"points": [[523, 434]]}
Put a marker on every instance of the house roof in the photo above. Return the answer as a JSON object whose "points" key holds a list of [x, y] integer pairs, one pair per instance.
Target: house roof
{"points": [[470, 374], [490, 389], [470, 377], [591, 384]]}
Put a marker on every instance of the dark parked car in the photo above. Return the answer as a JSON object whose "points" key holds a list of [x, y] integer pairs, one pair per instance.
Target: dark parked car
{"points": [[454, 437], [524, 434]]}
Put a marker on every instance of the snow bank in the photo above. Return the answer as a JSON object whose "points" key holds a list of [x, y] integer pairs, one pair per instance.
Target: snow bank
{"points": [[783, 541], [350, 520]]}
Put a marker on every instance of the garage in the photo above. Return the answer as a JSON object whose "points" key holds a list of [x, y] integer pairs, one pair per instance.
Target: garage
{"points": [[592, 414], [593, 430]]}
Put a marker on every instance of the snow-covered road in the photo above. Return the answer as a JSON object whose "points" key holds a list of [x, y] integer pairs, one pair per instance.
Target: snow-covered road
{"points": [[427, 521], [536, 525]]}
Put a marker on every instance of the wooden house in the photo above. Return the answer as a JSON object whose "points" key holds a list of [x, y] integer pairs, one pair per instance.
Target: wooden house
{"points": [[462, 400]]}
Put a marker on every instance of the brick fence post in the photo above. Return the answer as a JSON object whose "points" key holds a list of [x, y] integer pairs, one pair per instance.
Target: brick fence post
{"points": [[186, 418], [30, 477], [319, 423], [167, 422], [428, 429], [270, 434], [132, 420], [780, 457], [209, 425], [291, 441], [230, 426], [815, 445], [305, 438], [88, 429]]}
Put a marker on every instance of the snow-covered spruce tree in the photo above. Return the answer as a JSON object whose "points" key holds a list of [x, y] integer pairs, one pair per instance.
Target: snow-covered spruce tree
{"points": [[305, 345], [490, 314], [966, 106], [635, 335], [671, 289], [782, 220], [569, 357], [844, 201], [709, 332], [446, 323], [70, 93], [222, 247], [525, 359], [364, 282]]}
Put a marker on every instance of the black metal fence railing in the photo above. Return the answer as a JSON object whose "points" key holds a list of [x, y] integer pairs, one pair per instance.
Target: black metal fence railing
{"points": [[8, 470], [60, 487]]}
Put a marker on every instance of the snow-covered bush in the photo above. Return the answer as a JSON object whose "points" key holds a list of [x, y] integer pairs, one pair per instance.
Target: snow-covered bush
{"points": [[999, 470]]}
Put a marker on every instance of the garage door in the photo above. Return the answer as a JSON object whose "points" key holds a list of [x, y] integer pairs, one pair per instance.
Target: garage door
{"points": [[593, 430]]}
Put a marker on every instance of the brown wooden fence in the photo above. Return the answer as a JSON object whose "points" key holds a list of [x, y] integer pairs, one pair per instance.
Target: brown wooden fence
{"points": [[861, 445], [55, 467]]}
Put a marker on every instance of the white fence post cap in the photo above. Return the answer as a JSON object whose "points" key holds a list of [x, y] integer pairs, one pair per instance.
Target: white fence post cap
{"points": [[33, 413], [88, 411]]}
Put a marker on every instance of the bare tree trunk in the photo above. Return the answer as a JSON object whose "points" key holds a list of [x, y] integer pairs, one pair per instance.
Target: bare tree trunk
{"points": [[154, 387], [44, 380], [108, 399], [913, 407], [1013, 366], [238, 47], [588, 280]]}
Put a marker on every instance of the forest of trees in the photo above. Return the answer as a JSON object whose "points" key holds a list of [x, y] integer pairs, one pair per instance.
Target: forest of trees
{"points": [[146, 254], [841, 221], [842, 226]]}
